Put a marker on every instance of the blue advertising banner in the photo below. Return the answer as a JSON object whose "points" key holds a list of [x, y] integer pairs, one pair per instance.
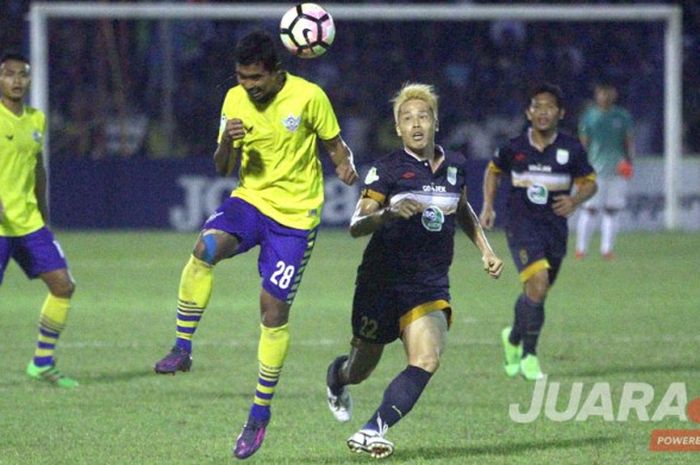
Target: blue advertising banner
{"points": [[176, 194]]}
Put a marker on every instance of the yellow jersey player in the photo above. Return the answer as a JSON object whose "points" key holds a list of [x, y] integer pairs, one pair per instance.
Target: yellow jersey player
{"points": [[270, 123], [23, 232]]}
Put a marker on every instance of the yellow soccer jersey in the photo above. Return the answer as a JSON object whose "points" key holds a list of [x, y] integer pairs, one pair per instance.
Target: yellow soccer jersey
{"points": [[280, 171], [21, 139]]}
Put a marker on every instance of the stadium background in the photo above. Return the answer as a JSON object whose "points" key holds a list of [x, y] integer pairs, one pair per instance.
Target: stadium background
{"points": [[134, 104], [631, 320]]}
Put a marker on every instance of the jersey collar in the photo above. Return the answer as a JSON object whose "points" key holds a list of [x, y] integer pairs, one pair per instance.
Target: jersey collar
{"points": [[547, 143], [11, 113]]}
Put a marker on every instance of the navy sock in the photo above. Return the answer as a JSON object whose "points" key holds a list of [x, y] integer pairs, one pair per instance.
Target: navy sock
{"points": [[530, 318], [399, 398], [260, 413], [516, 331]]}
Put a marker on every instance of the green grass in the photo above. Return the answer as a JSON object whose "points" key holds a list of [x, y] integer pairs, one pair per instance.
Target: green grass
{"points": [[633, 319]]}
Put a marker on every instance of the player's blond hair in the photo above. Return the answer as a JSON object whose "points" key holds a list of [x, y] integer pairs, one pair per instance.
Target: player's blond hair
{"points": [[415, 90]]}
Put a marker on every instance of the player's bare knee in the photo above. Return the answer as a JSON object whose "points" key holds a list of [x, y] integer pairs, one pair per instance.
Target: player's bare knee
{"points": [[537, 295], [428, 362], [63, 288], [273, 312], [537, 287], [214, 245]]}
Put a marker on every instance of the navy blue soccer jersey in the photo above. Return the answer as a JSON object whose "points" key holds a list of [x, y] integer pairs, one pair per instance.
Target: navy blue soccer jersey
{"points": [[536, 178], [416, 252]]}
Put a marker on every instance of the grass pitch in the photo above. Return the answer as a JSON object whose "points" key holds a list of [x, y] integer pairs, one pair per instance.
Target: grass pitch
{"points": [[634, 319]]}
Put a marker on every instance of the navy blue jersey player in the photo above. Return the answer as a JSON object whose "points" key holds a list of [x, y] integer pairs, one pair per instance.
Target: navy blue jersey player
{"points": [[412, 202], [543, 165]]}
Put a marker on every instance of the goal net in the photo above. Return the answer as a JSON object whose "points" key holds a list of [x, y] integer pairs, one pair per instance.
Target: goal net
{"points": [[133, 88]]}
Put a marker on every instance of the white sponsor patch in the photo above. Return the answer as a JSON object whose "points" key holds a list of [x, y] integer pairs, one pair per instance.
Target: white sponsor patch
{"points": [[452, 175], [372, 176], [562, 156]]}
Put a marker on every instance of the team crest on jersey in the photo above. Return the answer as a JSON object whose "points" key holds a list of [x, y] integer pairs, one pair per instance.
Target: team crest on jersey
{"points": [[36, 135], [452, 175], [291, 122], [562, 156], [433, 219], [371, 175]]}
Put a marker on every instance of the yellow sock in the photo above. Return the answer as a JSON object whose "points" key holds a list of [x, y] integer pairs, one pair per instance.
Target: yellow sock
{"points": [[272, 351], [195, 289], [52, 321]]}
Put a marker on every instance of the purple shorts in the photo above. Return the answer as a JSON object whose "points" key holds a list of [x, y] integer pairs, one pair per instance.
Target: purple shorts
{"points": [[284, 251], [35, 253]]}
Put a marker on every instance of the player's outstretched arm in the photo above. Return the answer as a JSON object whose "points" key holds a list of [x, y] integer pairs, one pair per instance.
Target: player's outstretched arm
{"points": [[472, 228], [370, 216], [492, 179], [342, 158]]}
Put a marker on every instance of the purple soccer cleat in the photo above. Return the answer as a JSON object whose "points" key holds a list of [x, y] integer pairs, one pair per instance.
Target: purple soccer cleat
{"points": [[177, 360], [250, 439]]}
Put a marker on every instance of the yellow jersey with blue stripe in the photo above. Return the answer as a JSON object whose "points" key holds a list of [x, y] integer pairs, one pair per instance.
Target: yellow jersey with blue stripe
{"points": [[280, 172], [21, 139]]}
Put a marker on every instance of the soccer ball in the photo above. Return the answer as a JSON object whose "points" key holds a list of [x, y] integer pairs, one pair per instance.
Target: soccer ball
{"points": [[307, 30]]}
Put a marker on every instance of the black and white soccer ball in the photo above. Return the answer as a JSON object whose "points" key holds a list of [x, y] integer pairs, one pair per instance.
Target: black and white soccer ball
{"points": [[307, 30]]}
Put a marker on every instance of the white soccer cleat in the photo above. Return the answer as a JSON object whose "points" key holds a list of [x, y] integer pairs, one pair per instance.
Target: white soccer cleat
{"points": [[341, 406], [372, 443]]}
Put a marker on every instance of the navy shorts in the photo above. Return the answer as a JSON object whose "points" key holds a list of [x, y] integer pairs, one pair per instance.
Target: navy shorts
{"points": [[35, 253], [380, 314], [537, 250], [284, 251]]}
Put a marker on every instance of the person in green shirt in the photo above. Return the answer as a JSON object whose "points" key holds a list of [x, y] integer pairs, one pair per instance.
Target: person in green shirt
{"points": [[605, 129]]}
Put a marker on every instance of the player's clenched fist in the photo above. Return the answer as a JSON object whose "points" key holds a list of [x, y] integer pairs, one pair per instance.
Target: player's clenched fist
{"points": [[487, 218], [405, 208], [234, 129], [346, 173], [492, 265]]}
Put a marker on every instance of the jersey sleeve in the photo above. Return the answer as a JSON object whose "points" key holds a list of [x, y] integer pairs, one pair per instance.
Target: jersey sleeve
{"points": [[581, 168], [501, 159], [224, 116], [322, 116], [377, 183]]}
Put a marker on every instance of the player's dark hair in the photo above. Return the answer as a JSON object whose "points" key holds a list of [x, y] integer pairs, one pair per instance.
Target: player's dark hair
{"points": [[607, 85], [257, 47], [548, 88], [16, 56]]}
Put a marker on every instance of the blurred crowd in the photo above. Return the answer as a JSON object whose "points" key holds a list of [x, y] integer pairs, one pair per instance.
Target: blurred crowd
{"points": [[154, 88]]}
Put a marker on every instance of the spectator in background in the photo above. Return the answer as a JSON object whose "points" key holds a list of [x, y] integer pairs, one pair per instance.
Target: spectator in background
{"points": [[605, 130]]}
